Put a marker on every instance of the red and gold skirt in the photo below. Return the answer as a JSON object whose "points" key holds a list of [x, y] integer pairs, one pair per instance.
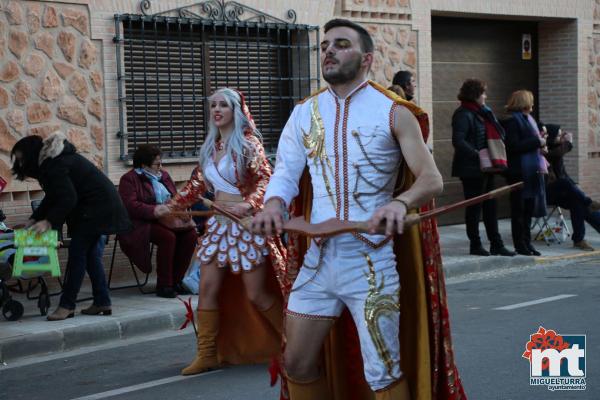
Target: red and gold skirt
{"points": [[230, 244]]}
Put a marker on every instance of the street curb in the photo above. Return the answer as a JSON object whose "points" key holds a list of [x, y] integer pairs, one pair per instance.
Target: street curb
{"points": [[106, 329], [477, 264]]}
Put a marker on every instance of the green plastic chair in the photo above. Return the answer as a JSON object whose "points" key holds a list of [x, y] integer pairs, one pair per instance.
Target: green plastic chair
{"points": [[43, 247]]}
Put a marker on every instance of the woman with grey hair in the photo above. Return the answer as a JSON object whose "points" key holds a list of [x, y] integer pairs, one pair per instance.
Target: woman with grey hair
{"points": [[240, 328]]}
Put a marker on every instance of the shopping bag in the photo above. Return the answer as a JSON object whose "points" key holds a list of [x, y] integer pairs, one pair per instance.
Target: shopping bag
{"points": [[192, 278]]}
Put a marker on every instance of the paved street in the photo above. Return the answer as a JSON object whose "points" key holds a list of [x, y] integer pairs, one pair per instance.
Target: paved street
{"points": [[489, 343], [488, 346]]}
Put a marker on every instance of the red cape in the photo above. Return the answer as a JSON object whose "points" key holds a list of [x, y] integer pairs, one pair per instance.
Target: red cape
{"points": [[426, 347]]}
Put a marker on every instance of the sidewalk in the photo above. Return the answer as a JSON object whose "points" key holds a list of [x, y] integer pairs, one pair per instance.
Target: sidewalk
{"points": [[135, 314]]}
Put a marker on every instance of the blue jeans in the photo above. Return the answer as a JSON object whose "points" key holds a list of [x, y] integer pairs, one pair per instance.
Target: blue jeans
{"points": [[566, 194], [85, 254]]}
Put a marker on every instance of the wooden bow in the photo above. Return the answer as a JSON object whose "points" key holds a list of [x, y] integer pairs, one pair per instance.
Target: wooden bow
{"points": [[207, 213], [334, 226]]}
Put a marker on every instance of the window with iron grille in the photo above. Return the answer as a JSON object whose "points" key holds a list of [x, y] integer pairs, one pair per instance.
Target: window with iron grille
{"points": [[168, 67]]}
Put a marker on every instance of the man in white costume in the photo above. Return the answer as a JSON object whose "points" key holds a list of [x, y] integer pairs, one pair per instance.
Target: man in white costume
{"points": [[352, 136]]}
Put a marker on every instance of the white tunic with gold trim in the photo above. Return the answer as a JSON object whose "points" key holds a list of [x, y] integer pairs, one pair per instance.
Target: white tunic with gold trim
{"points": [[350, 150]]}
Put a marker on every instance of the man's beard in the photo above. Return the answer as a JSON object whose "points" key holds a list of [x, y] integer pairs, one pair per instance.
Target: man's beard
{"points": [[345, 73]]}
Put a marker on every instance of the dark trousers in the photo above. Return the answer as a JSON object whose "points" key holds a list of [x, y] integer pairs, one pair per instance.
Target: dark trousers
{"points": [[173, 254], [85, 254], [473, 187], [521, 212], [564, 193]]}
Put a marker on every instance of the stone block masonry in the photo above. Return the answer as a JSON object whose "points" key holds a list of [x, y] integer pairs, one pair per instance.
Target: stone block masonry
{"points": [[51, 77]]}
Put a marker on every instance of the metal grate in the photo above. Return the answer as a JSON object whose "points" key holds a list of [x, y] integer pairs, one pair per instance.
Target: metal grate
{"points": [[167, 67]]}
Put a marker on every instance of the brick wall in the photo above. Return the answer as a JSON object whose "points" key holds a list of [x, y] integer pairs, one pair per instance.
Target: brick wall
{"points": [[558, 89]]}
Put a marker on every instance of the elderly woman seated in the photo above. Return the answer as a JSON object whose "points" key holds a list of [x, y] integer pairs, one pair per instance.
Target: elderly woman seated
{"points": [[145, 191]]}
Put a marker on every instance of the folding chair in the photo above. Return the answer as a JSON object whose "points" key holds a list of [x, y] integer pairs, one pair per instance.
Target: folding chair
{"points": [[140, 285], [551, 233]]}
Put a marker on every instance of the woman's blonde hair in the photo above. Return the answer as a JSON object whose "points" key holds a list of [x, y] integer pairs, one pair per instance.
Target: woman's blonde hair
{"points": [[398, 90], [520, 100]]}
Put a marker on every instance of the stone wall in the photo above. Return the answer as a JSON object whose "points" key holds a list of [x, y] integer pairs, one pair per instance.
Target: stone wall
{"points": [[388, 22], [51, 78], [395, 50], [590, 165]]}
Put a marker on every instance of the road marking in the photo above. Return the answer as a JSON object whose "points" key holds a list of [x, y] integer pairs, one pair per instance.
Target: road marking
{"points": [[141, 386], [585, 254], [539, 301]]}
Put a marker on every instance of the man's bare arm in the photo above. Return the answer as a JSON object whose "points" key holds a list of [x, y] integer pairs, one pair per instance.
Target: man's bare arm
{"points": [[428, 181]]}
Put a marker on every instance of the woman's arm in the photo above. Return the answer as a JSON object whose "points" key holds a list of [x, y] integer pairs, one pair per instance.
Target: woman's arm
{"points": [[560, 150], [517, 144], [460, 128], [191, 192], [259, 170], [60, 196], [137, 209]]}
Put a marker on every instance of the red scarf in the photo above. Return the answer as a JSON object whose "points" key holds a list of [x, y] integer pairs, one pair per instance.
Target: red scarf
{"points": [[495, 143]]}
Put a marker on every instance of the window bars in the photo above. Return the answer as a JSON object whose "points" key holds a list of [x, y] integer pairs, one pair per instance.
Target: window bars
{"points": [[168, 66]]}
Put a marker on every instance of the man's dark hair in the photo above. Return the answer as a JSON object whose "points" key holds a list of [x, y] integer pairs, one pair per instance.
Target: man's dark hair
{"points": [[471, 89], [402, 78], [366, 42], [145, 154], [27, 166]]}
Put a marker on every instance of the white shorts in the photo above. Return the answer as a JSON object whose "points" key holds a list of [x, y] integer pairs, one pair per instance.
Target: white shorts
{"points": [[347, 272]]}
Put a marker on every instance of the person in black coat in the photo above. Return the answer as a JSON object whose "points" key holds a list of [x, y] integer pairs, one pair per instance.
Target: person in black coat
{"points": [[78, 193], [524, 146], [562, 190], [468, 137]]}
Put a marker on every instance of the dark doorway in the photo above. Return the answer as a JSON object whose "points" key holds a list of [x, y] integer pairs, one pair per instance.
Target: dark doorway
{"points": [[475, 48]]}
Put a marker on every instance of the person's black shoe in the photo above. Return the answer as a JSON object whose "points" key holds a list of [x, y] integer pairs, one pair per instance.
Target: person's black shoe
{"points": [[501, 251], [532, 250], [166, 292], [522, 250], [181, 289], [478, 250]]}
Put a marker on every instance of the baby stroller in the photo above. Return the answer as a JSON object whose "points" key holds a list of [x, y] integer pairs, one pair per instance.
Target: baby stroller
{"points": [[12, 310]]}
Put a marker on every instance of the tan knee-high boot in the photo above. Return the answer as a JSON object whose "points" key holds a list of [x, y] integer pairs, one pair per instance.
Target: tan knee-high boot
{"points": [[396, 391], [313, 390], [206, 356], [274, 315]]}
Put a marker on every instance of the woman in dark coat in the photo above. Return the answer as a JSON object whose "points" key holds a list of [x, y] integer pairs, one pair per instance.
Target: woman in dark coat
{"points": [[468, 137], [524, 146], [145, 191], [78, 193]]}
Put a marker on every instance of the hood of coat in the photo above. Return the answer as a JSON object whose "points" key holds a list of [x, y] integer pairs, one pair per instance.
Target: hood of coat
{"points": [[55, 145]]}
